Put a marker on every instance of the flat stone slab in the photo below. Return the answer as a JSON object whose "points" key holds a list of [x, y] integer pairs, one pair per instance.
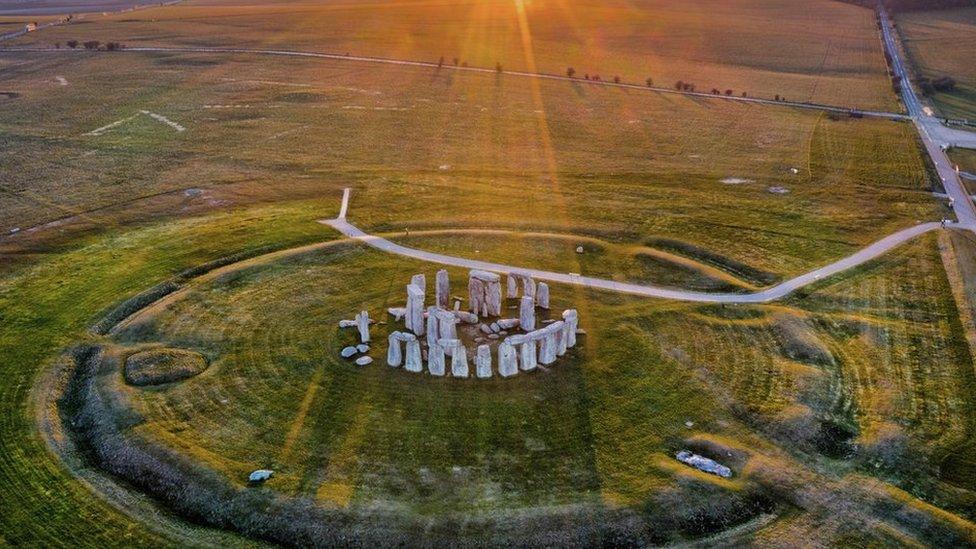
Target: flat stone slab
{"points": [[703, 464]]}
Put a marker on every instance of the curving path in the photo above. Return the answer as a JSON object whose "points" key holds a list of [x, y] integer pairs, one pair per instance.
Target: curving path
{"points": [[763, 296]]}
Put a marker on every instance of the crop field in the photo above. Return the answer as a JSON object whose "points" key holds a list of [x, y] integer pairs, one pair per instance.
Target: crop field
{"points": [[170, 296], [943, 43], [828, 52]]}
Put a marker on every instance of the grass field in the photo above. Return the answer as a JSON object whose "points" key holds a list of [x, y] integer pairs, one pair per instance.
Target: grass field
{"points": [[942, 43], [828, 52], [845, 411], [671, 168], [854, 374]]}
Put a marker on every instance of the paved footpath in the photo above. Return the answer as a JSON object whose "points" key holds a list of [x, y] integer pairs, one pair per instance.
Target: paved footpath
{"points": [[764, 296]]}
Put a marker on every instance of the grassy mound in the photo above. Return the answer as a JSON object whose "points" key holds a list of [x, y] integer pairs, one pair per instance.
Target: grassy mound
{"points": [[164, 365]]}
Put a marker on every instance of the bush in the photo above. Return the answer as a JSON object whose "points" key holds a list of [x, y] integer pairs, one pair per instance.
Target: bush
{"points": [[679, 85], [925, 85], [944, 84], [649, 82], [570, 72], [616, 79], [92, 44], [113, 46], [72, 44]]}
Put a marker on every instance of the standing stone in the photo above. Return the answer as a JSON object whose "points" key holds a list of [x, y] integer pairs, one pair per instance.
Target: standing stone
{"points": [[559, 330], [547, 354], [362, 324], [507, 361], [494, 297], [415, 309], [394, 356], [414, 362], [571, 317], [527, 313], [431, 326], [485, 293], [527, 352], [528, 287], [476, 293], [442, 289], [446, 324], [542, 295], [482, 362], [435, 360], [419, 280], [459, 357], [512, 286]]}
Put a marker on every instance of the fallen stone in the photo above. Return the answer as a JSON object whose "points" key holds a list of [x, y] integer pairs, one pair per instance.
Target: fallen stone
{"points": [[703, 464], [397, 312], [495, 327], [349, 351], [364, 360], [579, 249], [493, 336], [466, 317], [507, 323], [484, 328], [260, 475], [347, 323], [362, 348]]}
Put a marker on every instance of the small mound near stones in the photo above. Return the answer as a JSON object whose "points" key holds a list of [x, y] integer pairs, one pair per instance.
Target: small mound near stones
{"points": [[164, 365]]}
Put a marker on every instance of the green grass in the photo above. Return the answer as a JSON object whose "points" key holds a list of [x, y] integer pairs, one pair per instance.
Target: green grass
{"points": [[603, 423], [878, 354], [48, 305]]}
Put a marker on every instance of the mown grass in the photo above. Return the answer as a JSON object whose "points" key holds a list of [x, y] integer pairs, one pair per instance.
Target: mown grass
{"points": [[941, 43], [870, 352], [827, 52], [50, 304]]}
